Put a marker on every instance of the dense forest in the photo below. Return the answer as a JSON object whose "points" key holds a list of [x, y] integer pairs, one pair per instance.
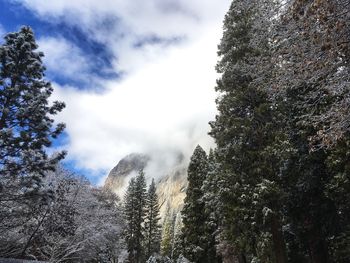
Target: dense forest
{"points": [[276, 187]]}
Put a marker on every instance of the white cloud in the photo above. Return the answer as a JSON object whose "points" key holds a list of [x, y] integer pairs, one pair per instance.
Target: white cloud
{"points": [[167, 104], [164, 102], [64, 58], [120, 23]]}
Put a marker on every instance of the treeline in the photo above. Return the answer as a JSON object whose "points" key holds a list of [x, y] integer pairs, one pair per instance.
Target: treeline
{"points": [[147, 240], [141, 212], [46, 213], [276, 187]]}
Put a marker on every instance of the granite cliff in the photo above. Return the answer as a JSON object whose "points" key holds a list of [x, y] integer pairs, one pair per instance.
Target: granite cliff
{"points": [[171, 185]]}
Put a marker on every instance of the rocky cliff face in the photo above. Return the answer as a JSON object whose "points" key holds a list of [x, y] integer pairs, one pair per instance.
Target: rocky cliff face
{"points": [[129, 166], [171, 186], [171, 189]]}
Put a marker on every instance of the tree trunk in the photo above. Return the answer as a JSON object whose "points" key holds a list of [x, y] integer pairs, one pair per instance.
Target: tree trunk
{"points": [[279, 244]]}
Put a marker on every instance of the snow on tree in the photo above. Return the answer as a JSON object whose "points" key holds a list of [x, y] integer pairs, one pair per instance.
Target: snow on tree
{"points": [[80, 222], [134, 213], [283, 88], [130, 218], [140, 208], [177, 242], [152, 232], [182, 259], [310, 74], [26, 130], [26, 126], [246, 133], [159, 259], [311, 55], [212, 207], [192, 213]]}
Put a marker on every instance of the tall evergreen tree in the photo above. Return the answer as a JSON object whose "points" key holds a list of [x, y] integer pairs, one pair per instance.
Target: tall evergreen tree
{"points": [[281, 88], [246, 133], [26, 130], [134, 212], [152, 227], [26, 127], [140, 213], [310, 78], [195, 246], [212, 207], [177, 243], [130, 219], [282, 91]]}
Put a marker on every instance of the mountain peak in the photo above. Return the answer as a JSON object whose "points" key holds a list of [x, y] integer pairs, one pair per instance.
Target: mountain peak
{"points": [[133, 162], [171, 184]]}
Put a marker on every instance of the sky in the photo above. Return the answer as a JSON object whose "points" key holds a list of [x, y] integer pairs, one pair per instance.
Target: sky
{"points": [[136, 76]]}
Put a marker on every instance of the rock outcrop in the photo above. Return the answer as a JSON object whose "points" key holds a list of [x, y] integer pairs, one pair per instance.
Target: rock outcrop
{"points": [[128, 166], [171, 187]]}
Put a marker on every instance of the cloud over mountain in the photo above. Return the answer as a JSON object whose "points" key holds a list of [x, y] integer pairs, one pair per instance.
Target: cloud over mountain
{"points": [[164, 53]]}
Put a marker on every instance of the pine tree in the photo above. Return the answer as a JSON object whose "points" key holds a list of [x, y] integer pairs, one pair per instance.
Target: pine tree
{"points": [[152, 227], [281, 91], [310, 213], [26, 127], [130, 218], [317, 63], [193, 216], [26, 130], [212, 207], [134, 213], [177, 243], [140, 213], [246, 134], [310, 81]]}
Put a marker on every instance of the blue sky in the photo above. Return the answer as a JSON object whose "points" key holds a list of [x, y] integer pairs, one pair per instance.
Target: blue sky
{"points": [[13, 15], [137, 76]]}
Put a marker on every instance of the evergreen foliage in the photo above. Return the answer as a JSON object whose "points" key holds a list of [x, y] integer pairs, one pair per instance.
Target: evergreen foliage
{"points": [[280, 126], [312, 42], [152, 226], [141, 213], [195, 245], [248, 179], [159, 259], [135, 212], [140, 210], [130, 219], [212, 208], [26, 127], [177, 242]]}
